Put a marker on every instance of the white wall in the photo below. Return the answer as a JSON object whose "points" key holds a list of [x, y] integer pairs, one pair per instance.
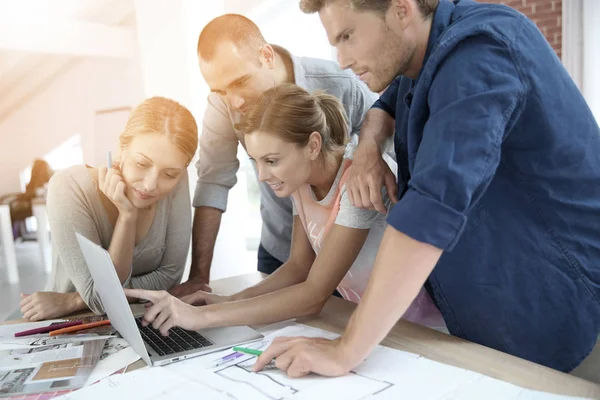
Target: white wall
{"points": [[246, 6], [65, 108], [282, 23]]}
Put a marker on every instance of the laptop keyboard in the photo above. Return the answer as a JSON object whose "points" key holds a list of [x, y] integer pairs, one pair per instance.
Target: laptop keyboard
{"points": [[178, 340]]}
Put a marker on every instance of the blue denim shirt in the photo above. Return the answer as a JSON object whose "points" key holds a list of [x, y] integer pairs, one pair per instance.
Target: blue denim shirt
{"points": [[499, 166]]}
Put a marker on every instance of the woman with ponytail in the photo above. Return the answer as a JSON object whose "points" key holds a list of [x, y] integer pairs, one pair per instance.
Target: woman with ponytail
{"points": [[299, 143]]}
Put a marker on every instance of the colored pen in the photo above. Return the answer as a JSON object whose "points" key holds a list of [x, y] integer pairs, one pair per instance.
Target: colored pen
{"points": [[232, 356], [109, 160], [80, 327], [245, 350], [227, 359], [48, 328]]}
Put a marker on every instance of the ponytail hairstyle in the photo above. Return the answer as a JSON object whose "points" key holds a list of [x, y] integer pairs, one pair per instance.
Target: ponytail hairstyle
{"points": [[293, 114]]}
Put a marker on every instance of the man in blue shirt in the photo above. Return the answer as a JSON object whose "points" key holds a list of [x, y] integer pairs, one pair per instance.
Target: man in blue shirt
{"points": [[499, 178]]}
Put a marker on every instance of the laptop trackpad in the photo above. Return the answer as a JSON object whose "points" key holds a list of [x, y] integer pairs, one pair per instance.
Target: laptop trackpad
{"points": [[230, 335]]}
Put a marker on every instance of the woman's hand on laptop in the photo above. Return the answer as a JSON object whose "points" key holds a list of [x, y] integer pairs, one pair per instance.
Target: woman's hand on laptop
{"points": [[167, 311], [201, 298]]}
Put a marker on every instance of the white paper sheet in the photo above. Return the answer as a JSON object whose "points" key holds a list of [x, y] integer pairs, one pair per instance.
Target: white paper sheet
{"points": [[117, 354], [145, 384], [386, 374]]}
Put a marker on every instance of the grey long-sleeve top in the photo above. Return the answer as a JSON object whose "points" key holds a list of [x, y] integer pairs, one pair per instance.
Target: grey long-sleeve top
{"points": [[74, 205]]}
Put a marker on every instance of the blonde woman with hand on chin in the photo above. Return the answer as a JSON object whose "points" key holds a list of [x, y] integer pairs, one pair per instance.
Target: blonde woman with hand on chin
{"points": [[139, 210]]}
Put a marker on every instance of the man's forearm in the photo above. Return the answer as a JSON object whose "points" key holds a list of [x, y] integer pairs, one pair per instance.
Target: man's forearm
{"points": [[377, 127], [204, 235], [402, 266]]}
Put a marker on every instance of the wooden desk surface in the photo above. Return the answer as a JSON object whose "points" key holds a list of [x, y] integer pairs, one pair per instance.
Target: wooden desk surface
{"points": [[437, 346]]}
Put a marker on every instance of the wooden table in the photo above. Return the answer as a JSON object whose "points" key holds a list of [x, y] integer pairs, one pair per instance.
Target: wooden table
{"points": [[436, 346]]}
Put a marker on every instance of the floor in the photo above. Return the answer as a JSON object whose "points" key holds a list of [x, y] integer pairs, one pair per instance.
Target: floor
{"points": [[32, 278]]}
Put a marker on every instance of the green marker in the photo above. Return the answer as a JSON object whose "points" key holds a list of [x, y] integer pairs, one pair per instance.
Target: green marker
{"points": [[253, 352]]}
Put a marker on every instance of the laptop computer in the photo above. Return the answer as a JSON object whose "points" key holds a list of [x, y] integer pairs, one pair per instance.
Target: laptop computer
{"points": [[148, 342]]}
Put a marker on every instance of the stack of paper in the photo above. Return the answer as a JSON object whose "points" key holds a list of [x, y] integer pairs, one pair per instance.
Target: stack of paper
{"points": [[35, 364]]}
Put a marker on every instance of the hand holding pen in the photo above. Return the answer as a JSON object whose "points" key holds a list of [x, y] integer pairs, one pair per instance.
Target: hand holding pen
{"points": [[112, 184]]}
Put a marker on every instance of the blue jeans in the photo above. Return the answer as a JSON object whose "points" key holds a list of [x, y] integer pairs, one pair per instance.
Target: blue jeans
{"points": [[268, 264]]}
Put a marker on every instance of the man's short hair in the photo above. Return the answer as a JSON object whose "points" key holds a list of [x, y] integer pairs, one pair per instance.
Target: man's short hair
{"points": [[427, 7], [233, 28]]}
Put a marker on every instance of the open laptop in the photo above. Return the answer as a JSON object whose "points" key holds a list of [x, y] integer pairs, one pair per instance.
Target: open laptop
{"points": [[152, 347]]}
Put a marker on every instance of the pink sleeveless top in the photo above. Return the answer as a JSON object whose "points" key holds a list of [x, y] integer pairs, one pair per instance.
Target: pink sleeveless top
{"points": [[318, 217]]}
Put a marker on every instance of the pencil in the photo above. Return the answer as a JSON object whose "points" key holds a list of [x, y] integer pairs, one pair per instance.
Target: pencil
{"points": [[80, 327]]}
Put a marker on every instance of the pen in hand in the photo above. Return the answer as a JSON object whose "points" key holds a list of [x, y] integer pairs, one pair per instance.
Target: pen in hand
{"points": [[109, 160]]}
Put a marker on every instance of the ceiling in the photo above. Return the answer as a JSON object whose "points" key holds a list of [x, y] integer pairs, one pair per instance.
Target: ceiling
{"points": [[41, 39]]}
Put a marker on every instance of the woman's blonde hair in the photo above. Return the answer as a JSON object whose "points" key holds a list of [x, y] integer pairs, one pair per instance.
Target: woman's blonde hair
{"points": [[292, 114], [166, 117]]}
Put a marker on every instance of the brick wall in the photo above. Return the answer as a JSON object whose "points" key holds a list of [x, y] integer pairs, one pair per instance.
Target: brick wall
{"points": [[547, 15]]}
